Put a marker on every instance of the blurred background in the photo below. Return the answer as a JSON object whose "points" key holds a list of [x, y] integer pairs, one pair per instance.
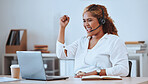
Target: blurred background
{"points": [[41, 20]]}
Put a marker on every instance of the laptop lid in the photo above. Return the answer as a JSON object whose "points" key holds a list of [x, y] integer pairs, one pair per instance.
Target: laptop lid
{"points": [[31, 65]]}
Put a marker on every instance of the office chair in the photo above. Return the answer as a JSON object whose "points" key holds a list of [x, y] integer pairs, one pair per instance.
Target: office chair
{"points": [[130, 67]]}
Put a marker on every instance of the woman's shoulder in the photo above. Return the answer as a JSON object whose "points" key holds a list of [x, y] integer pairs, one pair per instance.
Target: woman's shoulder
{"points": [[112, 36], [115, 39]]}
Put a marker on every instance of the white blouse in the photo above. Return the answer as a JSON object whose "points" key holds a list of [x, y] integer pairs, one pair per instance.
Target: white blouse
{"points": [[109, 53]]}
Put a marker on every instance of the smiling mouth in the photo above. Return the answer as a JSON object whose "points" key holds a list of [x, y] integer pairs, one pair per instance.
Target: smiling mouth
{"points": [[88, 29]]}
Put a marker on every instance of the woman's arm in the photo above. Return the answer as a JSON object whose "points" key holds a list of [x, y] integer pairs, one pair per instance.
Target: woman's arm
{"points": [[61, 37], [119, 60], [62, 50], [102, 73], [63, 23]]}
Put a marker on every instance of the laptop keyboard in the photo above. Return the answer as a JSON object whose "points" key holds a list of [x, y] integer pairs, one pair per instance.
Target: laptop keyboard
{"points": [[52, 76], [55, 77]]}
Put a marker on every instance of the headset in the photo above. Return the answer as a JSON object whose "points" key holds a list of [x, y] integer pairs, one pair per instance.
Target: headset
{"points": [[100, 20]]}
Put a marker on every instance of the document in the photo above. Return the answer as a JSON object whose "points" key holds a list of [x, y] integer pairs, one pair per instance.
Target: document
{"points": [[97, 77], [6, 79]]}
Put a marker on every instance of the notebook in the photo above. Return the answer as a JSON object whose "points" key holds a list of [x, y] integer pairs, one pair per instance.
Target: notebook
{"points": [[31, 66], [97, 77]]}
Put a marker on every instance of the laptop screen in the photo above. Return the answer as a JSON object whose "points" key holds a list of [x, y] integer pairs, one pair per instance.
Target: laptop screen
{"points": [[31, 65]]}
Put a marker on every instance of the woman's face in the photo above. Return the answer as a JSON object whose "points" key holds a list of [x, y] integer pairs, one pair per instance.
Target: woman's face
{"points": [[90, 23]]}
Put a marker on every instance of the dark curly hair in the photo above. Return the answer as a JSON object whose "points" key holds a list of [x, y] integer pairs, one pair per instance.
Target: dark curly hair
{"points": [[96, 11]]}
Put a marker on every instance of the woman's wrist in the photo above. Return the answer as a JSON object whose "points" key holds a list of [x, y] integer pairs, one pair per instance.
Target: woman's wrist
{"points": [[98, 72], [102, 72], [62, 27]]}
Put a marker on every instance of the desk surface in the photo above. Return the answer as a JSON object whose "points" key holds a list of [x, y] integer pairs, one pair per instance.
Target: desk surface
{"points": [[71, 80]]}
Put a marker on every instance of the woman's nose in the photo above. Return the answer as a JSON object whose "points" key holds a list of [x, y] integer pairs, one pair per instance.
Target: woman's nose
{"points": [[86, 24]]}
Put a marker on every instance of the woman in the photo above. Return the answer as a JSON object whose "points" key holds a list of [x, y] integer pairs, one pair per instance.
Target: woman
{"points": [[101, 52]]}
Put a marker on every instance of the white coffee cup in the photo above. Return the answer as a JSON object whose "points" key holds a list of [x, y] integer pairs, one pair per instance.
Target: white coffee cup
{"points": [[15, 71]]}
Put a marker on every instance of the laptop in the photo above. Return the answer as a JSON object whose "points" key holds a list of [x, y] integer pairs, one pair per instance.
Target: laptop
{"points": [[32, 67]]}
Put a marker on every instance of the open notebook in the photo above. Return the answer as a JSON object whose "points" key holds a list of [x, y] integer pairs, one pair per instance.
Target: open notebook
{"points": [[97, 77]]}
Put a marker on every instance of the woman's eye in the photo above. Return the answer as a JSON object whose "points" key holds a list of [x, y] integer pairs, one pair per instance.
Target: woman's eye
{"points": [[84, 21], [89, 20]]}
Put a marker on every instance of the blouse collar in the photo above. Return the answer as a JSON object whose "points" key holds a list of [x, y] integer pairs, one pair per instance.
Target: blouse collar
{"points": [[104, 36]]}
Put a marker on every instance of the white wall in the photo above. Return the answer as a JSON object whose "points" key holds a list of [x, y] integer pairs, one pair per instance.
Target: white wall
{"points": [[41, 19]]}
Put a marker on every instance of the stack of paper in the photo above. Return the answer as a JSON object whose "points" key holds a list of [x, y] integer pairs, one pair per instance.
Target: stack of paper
{"points": [[136, 47], [6, 79]]}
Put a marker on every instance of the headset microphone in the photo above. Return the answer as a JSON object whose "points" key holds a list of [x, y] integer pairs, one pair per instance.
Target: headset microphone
{"points": [[101, 20], [95, 28]]}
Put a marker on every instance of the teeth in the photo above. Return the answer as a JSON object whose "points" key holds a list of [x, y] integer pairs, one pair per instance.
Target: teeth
{"points": [[89, 29]]}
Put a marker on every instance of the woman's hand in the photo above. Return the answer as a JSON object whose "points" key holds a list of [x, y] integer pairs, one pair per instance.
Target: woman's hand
{"points": [[80, 74], [64, 21]]}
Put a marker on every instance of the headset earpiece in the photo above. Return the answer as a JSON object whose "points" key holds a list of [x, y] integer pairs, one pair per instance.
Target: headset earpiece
{"points": [[101, 21]]}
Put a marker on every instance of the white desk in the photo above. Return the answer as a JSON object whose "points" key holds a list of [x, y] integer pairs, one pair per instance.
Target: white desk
{"points": [[71, 80]]}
